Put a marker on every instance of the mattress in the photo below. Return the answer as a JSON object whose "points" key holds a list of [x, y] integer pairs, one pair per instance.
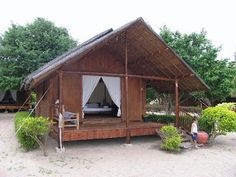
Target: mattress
{"points": [[97, 110]]}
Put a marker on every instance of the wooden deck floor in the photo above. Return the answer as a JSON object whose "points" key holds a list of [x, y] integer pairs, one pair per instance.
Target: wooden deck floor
{"points": [[108, 128], [13, 107]]}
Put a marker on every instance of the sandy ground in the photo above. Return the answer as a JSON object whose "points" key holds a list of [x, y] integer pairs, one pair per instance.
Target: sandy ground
{"points": [[108, 158]]}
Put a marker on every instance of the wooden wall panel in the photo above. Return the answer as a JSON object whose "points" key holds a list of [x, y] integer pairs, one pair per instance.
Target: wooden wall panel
{"points": [[134, 99], [98, 61], [43, 107], [53, 94], [71, 84], [55, 87]]}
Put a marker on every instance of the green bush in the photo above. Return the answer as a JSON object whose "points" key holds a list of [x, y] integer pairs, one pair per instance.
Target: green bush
{"points": [[166, 119], [169, 131], [172, 143], [217, 121], [172, 138], [230, 106], [33, 99], [31, 130], [185, 121], [19, 116]]}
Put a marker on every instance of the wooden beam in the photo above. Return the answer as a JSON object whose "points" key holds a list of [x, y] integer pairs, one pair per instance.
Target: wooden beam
{"points": [[60, 92], [60, 106], [126, 93], [177, 103], [80, 92], [51, 104], [150, 77], [120, 75]]}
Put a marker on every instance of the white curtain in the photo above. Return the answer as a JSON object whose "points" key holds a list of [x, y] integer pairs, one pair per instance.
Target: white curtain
{"points": [[14, 94], [113, 87], [2, 94], [89, 84]]}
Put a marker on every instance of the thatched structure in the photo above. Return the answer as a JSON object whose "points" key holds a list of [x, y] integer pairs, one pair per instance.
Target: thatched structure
{"points": [[148, 55], [135, 54]]}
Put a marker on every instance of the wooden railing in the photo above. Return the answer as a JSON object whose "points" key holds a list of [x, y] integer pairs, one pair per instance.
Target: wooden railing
{"points": [[186, 120]]}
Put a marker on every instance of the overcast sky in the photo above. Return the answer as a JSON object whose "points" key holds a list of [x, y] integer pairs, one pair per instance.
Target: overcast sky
{"points": [[85, 18]]}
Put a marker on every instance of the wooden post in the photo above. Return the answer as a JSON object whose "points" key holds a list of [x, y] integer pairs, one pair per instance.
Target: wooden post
{"points": [[80, 80], [60, 92], [77, 118], [126, 92], [61, 106], [51, 104], [177, 103]]}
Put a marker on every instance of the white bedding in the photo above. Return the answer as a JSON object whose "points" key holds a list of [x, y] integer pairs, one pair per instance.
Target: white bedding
{"points": [[97, 110]]}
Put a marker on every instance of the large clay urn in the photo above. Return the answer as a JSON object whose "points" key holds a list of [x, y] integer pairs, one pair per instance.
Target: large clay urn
{"points": [[202, 137]]}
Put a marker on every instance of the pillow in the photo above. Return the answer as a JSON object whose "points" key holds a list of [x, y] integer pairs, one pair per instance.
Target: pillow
{"points": [[68, 115], [93, 105]]}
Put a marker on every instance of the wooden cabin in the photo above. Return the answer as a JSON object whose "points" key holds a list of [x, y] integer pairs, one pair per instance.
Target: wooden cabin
{"points": [[13, 100], [100, 86]]}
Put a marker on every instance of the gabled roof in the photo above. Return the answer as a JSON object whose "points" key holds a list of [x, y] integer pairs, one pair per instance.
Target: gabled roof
{"points": [[148, 55]]}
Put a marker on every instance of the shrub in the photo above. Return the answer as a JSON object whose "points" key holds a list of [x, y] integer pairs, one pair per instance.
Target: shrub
{"points": [[32, 131], [169, 131], [172, 138], [19, 116], [33, 99], [159, 118], [172, 143], [230, 106], [217, 121]]}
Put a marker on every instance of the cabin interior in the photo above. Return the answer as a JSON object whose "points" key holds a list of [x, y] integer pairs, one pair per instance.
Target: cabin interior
{"points": [[13, 100]]}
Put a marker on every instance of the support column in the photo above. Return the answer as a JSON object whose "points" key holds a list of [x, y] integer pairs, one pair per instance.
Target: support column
{"points": [[60, 93], [51, 103], [177, 103], [126, 92], [61, 108]]}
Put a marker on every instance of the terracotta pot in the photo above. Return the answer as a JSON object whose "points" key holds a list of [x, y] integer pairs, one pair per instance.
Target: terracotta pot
{"points": [[202, 137]]}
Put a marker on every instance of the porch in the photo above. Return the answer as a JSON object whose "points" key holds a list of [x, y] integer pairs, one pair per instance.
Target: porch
{"points": [[103, 128]]}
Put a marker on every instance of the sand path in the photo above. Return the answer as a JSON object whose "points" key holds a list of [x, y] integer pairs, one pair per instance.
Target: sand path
{"points": [[108, 158]]}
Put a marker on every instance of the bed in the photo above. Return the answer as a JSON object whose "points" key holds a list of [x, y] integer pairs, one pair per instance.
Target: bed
{"points": [[95, 108]]}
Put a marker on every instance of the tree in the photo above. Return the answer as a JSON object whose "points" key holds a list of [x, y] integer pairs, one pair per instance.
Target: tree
{"points": [[201, 55], [233, 93], [233, 65], [151, 95], [23, 49]]}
